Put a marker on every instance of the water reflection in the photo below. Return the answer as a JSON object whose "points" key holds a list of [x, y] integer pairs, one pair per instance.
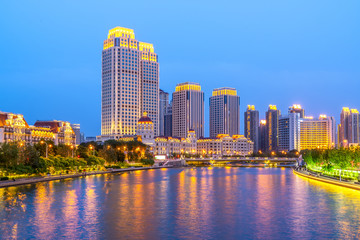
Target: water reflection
{"points": [[189, 203]]}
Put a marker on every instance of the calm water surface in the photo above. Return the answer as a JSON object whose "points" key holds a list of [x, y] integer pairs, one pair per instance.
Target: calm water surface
{"points": [[183, 203]]}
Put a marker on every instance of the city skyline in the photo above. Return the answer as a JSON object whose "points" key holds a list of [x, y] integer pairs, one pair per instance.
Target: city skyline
{"points": [[270, 64]]}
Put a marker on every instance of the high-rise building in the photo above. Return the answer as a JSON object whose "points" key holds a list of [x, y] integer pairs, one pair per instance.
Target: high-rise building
{"points": [[296, 108], [251, 126], [76, 128], [353, 128], [168, 121], [163, 105], [289, 132], [317, 133], [262, 135], [349, 128], [188, 110], [343, 127], [224, 112], [130, 84], [272, 128]]}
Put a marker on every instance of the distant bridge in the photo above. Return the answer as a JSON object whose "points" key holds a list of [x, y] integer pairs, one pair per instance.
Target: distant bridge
{"points": [[245, 161], [235, 161]]}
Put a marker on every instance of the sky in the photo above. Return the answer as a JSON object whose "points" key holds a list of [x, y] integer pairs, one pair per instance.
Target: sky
{"points": [[273, 52]]}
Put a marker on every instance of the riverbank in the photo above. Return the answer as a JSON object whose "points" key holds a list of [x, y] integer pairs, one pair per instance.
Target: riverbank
{"points": [[316, 177], [24, 181]]}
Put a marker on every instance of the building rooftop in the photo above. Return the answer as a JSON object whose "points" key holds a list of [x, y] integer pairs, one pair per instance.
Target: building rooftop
{"points": [[224, 91], [188, 86]]}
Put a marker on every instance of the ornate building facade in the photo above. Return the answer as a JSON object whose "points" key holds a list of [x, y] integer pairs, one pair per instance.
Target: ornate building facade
{"points": [[14, 128]]}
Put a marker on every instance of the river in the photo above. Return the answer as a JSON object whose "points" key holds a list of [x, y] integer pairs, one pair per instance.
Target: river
{"points": [[182, 203]]}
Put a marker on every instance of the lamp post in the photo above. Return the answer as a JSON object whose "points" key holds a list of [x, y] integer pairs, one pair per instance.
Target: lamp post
{"points": [[72, 150], [47, 147], [91, 149]]}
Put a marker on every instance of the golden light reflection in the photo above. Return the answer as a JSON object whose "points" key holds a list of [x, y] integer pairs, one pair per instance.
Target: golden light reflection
{"points": [[45, 218]]}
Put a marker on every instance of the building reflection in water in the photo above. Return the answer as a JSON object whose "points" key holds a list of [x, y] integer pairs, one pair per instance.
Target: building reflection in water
{"points": [[190, 203]]}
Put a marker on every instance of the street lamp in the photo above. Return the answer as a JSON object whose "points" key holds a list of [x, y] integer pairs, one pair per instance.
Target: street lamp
{"points": [[72, 149], [47, 147], [91, 149]]}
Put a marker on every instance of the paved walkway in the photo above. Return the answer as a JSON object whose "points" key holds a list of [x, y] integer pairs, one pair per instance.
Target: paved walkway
{"points": [[23, 181], [325, 179]]}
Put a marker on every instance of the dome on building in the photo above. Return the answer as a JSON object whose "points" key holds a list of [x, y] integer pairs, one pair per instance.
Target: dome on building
{"points": [[145, 119]]}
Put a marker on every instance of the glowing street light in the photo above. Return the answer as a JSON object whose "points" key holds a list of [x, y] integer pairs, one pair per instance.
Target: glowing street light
{"points": [[47, 147], [72, 150]]}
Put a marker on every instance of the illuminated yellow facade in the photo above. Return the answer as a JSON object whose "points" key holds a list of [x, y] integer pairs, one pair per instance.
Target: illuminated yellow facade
{"points": [[224, 91], [176, 146], [316, 133], [224, 145], [272, 107], [188, 86], [251, 107], [14, 128], [121, 32]]}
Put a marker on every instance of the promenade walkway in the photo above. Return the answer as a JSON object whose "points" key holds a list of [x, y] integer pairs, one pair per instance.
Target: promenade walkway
{"points": [[23, 181], [325, 179]]}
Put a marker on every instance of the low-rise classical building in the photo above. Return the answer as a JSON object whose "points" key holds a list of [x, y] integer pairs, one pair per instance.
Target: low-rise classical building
{"points": [[63, 133], [14, 128], [224, 145], [175, 145]]}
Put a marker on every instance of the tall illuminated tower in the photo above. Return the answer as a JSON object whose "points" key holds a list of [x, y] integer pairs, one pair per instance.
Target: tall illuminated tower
{"points": [[272, 128], [130, 83], [251, 126], [188, 110], [224, 112]]}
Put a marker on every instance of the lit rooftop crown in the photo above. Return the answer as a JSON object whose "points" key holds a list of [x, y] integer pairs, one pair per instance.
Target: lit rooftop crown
{"points": [[146, 47], [251, 107], [262, 122], [346, 109], [322, 116], [121, 32], [354, 111], [272, 107], [296, 106], [224, 91], [187, 86]]}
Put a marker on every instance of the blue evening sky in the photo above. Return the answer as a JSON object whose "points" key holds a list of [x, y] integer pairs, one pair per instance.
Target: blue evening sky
{"points": [[273, 52]]}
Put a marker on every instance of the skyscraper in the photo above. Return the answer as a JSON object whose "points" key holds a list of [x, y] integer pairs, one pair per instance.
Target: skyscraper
{"points": [[272, 128], [163, 106], [168, 121], [353, 128], [262, 135], [224, 112], [343, 127], [251, 126], [130, 83], [188, 110], [349, 127], [296, 108], [289, 132]]}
